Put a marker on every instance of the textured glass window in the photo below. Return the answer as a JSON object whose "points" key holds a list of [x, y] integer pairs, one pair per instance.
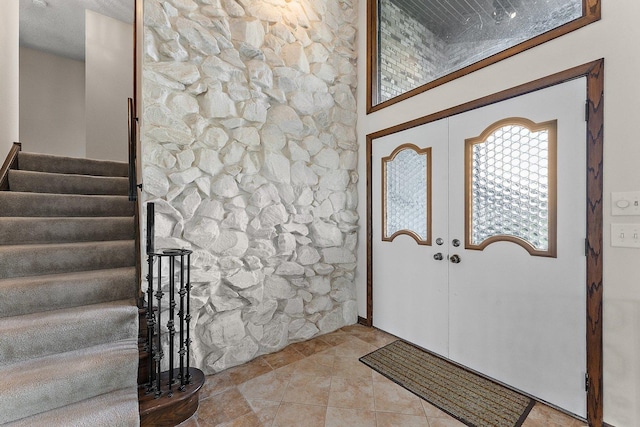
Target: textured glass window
{"points": [[406, 204], [417, 45], [511, 186]]}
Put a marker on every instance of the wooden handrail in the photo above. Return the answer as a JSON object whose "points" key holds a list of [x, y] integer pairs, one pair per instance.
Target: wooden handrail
{"points": [[133, 149], [133, 191], [11, 162]]}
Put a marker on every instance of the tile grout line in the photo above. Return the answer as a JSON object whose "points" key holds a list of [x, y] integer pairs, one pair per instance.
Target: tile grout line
{"points": [[351, 342]]}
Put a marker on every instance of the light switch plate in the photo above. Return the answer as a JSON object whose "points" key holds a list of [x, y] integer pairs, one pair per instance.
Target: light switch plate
{"points": [[625, 235], [625, 203]]}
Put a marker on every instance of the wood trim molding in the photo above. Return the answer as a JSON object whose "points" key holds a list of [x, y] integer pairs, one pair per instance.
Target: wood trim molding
{"points": [[595, 143], [135, 57], [594, 73], [369, 204], [11, 162], [591, 13], [372, 56]]}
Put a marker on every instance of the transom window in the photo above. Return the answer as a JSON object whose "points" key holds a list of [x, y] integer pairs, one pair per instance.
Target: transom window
{"points": [[417, 45]]}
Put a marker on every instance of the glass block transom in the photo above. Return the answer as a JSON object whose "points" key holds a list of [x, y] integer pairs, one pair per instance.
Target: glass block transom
{"points": [[510, 186], [405, 197]]}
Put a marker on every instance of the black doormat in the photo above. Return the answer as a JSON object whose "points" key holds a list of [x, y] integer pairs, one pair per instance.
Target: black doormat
{"points": [[470, 398]]}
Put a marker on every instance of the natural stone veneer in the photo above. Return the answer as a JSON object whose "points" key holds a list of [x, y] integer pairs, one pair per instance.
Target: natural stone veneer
{"points": [[249, 151]]}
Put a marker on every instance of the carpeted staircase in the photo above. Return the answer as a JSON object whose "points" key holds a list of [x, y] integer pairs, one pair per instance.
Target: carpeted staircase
{"points": [[68, 319]]}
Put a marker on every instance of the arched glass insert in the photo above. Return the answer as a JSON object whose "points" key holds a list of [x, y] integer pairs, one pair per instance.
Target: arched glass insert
{"points": [[406, 198], [511, 186]]}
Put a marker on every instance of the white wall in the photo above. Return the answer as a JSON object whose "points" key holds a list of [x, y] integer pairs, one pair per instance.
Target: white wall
{"points": [[51, 104], [9, 79], [109, 82], [609, 38]]}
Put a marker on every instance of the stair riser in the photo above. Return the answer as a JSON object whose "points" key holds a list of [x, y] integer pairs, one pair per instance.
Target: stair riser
{"points": [[20, 261], [49, 205], [18, 231], [65, 379], [68, 321], [21, 296], [58, 331], [54, 164], [39, 182], [115, 409]]}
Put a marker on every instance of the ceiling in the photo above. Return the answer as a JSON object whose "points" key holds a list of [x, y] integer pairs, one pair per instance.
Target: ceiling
{"points": [[446, 18], [57, 26]]}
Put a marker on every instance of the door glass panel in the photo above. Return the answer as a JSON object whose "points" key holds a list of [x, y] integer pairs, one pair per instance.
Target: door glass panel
{"points": [[511, 184], [405, 203]]}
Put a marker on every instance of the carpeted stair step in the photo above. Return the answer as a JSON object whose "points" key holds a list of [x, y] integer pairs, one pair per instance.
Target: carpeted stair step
{"points": [[33, 294], [13, 203], [30, 230], [34, 260], [40, 385], [68, 320], [57, 183], [59, 164], [41, 334], [116, 409]]}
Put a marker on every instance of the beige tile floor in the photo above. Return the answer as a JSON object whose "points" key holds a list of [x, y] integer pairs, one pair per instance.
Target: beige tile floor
{"points": [[321, 383]]}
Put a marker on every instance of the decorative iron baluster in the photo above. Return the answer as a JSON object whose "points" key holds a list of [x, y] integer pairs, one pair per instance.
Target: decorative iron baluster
{"points": [[159, 353], [170, 323], [188, 315], [182, 350], [150, 316], [151, 322], [154, 333]]}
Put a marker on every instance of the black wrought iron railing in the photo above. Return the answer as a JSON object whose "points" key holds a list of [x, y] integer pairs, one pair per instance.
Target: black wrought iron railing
{"points": [[176, 283]]}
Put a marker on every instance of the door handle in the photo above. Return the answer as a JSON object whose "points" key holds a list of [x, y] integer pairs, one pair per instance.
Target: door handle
{"points": [[438, 256], [455, 259]]}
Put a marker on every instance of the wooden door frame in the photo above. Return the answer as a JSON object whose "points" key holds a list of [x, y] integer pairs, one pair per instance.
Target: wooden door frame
{"points": [[594, 73]]}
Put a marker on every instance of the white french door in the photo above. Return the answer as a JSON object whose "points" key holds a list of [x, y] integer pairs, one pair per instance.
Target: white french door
{"points": [[511, 315], [413, 296]]}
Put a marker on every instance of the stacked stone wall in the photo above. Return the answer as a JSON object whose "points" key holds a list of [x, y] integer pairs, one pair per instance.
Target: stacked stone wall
{"points": [[249, 152]]}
